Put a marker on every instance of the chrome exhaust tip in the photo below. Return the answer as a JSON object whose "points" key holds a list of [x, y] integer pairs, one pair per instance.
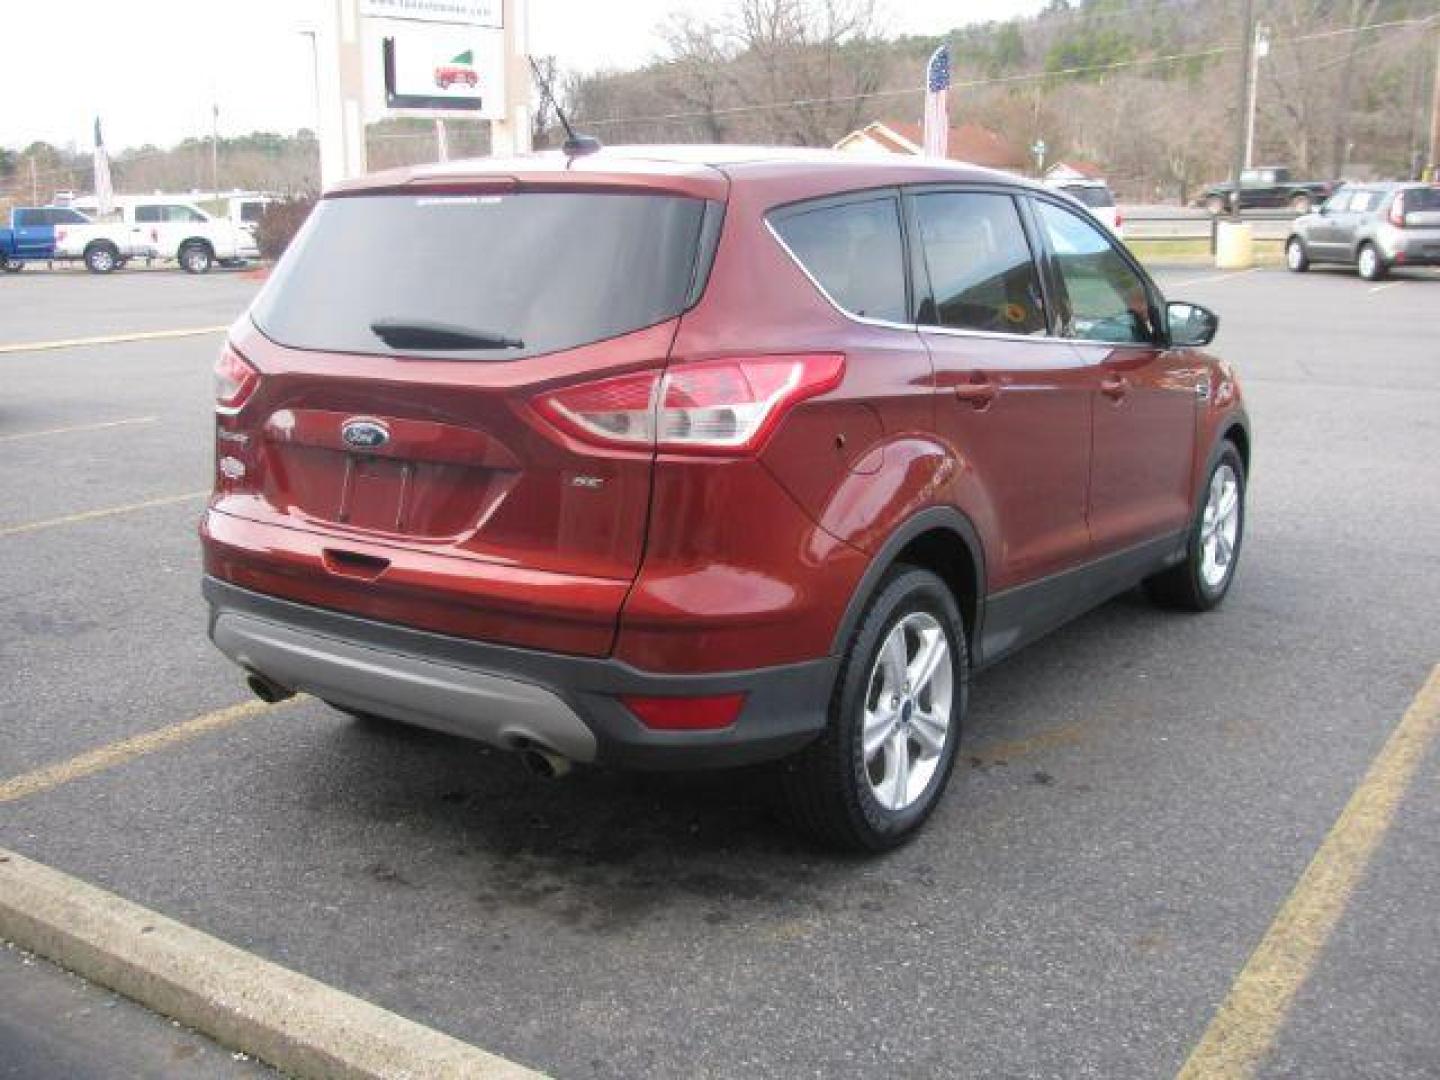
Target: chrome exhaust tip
{"points": [[267, 690], [545, 764]]}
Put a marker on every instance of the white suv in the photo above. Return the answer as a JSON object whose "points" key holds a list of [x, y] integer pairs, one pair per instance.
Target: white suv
{"points": [[157, 229], [1095, 196]]}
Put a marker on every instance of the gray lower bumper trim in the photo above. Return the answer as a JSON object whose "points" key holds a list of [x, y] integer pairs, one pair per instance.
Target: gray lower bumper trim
{"points": [[474, 704]]}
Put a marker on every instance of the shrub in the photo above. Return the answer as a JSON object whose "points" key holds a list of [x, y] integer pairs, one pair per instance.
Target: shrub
{"points": [[279, 224]]}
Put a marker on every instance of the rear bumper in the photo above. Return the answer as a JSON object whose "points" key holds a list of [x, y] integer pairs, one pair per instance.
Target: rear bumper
{"points": [[1410, 247], [509, 696]]}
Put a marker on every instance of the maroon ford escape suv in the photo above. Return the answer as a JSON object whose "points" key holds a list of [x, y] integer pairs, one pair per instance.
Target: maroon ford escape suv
{"points": [[705, 456]]}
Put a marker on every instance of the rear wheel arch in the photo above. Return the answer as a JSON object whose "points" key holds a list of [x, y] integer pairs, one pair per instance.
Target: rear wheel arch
{"points": [[941, 540]]}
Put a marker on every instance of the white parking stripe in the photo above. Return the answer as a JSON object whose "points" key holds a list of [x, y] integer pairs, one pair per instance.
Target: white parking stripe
{"points": [[1387, 285], [1226, 276]]}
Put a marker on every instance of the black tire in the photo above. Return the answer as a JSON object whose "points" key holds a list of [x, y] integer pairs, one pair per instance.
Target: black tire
{"points": [[1184, 586], [195, 257], [102, 257], [1301, 203], [1297, 259], [826, 787], [1369, 263], [13, 266], [1216, 204]]}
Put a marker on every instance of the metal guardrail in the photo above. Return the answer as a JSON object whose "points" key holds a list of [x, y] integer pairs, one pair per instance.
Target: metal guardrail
{"points": [[1186, 224]]}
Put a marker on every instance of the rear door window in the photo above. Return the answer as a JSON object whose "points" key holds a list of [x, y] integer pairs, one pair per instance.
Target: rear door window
{"points": [[552, 270], [982, 274], [854, 251]]}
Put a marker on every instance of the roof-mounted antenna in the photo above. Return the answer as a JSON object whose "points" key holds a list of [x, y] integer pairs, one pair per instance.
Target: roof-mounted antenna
{"points": [[574, 145]]}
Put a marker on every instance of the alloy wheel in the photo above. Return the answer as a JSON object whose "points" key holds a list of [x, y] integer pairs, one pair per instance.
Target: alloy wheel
{"points": [[1220, 528], [907, 710]]}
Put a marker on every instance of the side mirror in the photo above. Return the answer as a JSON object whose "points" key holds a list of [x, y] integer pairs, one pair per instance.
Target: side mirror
{"points": [[1191, 324]]}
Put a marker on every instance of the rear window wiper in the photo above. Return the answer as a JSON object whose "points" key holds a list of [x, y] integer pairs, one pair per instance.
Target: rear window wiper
{"points": [[422, 334]]}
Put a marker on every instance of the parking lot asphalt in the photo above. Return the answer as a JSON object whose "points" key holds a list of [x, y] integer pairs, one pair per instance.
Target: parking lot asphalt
{"points": [[55, 1024], [1138, 795]]}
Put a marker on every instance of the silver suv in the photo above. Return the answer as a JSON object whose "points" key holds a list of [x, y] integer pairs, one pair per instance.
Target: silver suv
{"points": [[1373, 227]]}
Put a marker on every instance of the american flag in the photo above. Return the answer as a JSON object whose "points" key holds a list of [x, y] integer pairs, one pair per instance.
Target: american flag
{"points": [[104, 193], [937, 108]]}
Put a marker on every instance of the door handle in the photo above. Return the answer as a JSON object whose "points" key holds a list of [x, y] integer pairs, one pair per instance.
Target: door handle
{"points": [[979, 394], [1115, 387]]}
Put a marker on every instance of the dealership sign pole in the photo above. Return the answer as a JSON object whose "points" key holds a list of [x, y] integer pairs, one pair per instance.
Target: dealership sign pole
{"points": [[420, 59]]}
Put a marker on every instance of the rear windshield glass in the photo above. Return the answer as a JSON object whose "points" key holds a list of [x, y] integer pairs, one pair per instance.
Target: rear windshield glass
{"points": [[553, 270], [1091, 196]]}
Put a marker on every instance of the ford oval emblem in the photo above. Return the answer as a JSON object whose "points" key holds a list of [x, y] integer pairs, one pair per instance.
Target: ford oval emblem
{"points": [[365, 434]]}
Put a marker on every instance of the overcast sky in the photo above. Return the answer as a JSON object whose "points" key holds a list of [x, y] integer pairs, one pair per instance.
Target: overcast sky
{"points": [[151, 68]]}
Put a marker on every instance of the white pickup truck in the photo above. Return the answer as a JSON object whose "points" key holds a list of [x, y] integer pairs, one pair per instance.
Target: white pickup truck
{"points": [[156, 230]]}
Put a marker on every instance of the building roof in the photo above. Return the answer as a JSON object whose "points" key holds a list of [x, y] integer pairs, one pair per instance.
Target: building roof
{"points": [[972, 143]]}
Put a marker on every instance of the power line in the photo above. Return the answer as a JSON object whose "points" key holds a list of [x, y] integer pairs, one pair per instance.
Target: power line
{"points": [[1061, 73]]}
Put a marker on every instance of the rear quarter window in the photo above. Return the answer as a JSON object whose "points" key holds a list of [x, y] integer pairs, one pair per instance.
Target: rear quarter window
{"points": [[1422, 199], [854, 251], [554, 270], [1092, 195]]}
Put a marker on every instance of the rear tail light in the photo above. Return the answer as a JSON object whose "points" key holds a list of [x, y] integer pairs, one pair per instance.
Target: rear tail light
{"points": [[1397, 210], [708, 407], [685, 713], [1119, 218], [235, 380]]}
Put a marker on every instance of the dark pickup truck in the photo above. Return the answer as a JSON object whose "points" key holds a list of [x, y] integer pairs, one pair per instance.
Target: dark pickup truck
{"points": [[1268, 186], [31, 235]]}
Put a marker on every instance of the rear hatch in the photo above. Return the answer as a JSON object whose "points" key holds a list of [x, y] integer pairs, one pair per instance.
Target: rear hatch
{"points": [[1422, 217], [390, 460]]}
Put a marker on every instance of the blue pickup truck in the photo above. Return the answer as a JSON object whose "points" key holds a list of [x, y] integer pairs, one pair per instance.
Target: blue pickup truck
{"points": [[31, 235]]}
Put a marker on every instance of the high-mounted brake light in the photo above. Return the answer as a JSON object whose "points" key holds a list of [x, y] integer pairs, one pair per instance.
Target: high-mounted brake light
{"points": [[1397, 210], [725, 406], [235, 380]]}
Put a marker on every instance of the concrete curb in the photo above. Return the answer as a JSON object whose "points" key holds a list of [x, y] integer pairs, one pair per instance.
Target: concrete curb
{"points": [[294, 1023]]}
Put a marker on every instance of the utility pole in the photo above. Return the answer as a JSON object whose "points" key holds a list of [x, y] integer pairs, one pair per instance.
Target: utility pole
{"points": [[1433, 169], [215, 149], [1247, 26], [1260, 48]]}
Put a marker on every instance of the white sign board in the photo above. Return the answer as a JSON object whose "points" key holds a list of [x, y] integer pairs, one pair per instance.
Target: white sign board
{"points": [[464, 12], [439, 68]]}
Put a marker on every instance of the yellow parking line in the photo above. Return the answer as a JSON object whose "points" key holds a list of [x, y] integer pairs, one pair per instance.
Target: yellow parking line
{"points": [[90, 515], [78, 427], [999, 753], [1245, 1026], [118, 753], [110, 339]]}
